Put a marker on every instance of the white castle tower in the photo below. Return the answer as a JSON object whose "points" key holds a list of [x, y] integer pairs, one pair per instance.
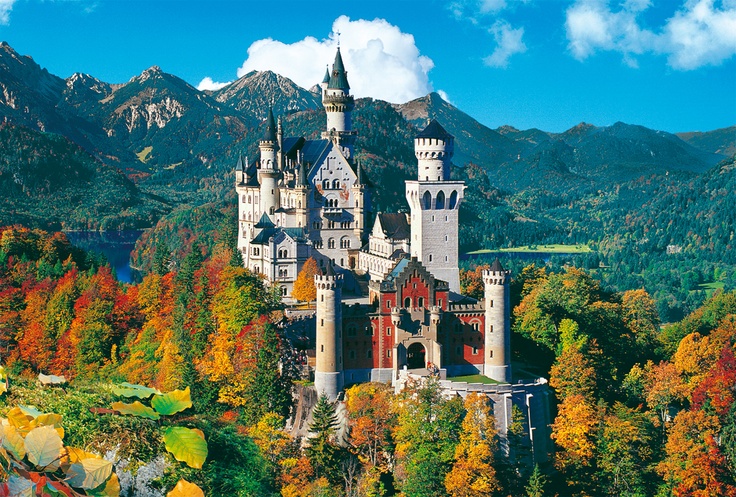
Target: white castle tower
{"points": [[328, 377], [497, 362], [339, 104], [434, 201], [269, 173]]}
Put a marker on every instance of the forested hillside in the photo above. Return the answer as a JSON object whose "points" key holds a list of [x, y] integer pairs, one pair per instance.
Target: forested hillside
{"points": [[641, 410]]}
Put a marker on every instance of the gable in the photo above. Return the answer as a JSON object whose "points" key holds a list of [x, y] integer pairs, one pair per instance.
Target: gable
{"points": [[333, 169]]}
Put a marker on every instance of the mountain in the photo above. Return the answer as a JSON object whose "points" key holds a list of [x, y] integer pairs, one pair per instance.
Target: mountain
{"points": [[719, 141], [252, 94]]}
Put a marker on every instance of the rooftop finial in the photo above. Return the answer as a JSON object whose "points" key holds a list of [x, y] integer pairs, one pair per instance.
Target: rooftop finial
{"points": [[338, 39]]}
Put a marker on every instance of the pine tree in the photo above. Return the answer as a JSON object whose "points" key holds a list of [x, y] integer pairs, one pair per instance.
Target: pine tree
{"points": [[537, 481], [323, 453]]}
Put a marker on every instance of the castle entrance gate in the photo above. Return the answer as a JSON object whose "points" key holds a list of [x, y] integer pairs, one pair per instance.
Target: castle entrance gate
{"points": [[416, 356]]}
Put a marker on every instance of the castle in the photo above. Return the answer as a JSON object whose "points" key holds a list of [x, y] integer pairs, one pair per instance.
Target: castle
{"points": [[308, 198]]}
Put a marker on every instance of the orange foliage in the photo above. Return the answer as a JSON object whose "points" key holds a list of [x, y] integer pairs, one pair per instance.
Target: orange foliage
{"points": [[573, 431]]}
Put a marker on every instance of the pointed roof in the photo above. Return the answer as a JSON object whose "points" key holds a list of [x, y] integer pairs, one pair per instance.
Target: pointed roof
{"points": [[270, 135], [303, 174], [240, 166], [329, 270], [496, 266], [265, 222], [435, 130], [326, 79], [339, 77]]}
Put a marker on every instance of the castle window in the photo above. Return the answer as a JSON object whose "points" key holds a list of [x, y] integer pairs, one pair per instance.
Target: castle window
{"points": [[388, 353], [421, 302], [388, 304], [490, 304], [283, 291], [322, 298], [352, 354], [427, 200], [458, 350], [491, 329], [321, 322], [331, 243], [388, 331], [453, 199], [321, 348], [475, 350], [271, 210], [476, 325], [490, 354], [369, 354], [432, 218], [325, 184], [430, 257], [440, 202], [344, 242], [335, 184], [407, 302], [372, 330]]}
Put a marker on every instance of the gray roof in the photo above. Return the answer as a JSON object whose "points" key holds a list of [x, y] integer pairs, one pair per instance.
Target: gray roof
{"points": [[496, 266], [395, 225], [435, 130], [265, 235], [270, 135], [265, 222]]}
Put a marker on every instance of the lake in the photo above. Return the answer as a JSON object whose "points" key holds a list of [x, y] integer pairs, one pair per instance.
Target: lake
{"points": [[116, 246]]}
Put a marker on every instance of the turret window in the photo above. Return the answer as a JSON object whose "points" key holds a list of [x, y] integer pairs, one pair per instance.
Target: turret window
{"points": [[453, 199], [336, 184], [427, 199], [440, 203], [388, 331], [331, 243]]}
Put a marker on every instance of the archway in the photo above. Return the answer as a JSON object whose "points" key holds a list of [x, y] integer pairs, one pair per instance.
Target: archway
{"points": [[416, 356]]}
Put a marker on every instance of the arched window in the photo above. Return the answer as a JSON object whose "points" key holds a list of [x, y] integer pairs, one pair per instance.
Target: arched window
{"points": [[335, 184], [345, 242], [427, 200], [421, 302], [440, 203], [331, 243], [407, 302], [325, 184], [453, 199]]}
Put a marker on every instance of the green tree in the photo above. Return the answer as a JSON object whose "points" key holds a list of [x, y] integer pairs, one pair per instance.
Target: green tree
{"points": [[537, 482], [322, 449]]}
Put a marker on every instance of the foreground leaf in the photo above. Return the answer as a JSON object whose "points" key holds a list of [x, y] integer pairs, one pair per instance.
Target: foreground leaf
{"points": [[172, 402], [51, 379], [131, 390], [13, 442], [186, 445], [17, 418], [30, 411], [185, 489], [43, 446], [135, 409], [111, 488], [75, 455], [89, 473], [20, 487]]}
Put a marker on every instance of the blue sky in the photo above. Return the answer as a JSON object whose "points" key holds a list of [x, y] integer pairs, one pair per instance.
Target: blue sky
{"points": [[548, 64]]}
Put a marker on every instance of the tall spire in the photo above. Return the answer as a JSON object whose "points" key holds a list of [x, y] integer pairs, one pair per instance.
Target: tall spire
{"points": [[326, 79], [270, 135], [339, 77]]}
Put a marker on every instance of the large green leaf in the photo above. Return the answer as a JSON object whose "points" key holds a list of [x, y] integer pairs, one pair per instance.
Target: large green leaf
{"points": [[131, 390], [172, 402], [89, 473], [186, 445], [43, 446], [135, 409]]}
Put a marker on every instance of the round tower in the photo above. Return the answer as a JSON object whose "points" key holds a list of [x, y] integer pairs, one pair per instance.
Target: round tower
{"points": [[269, 172], [339, 104], [497, 361], [328, 369], [433, 148]]}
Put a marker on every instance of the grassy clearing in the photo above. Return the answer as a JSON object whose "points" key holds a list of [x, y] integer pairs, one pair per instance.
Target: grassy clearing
{"points": [[711, 287], [556, 248], [474, 378], [144, 154]]}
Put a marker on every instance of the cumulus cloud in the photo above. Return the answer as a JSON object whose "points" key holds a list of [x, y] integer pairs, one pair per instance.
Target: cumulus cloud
{"points": [[5, 7], [508, 43], [444, 95], [699, 33], [508, 40], [382, 61], [208, 84]]}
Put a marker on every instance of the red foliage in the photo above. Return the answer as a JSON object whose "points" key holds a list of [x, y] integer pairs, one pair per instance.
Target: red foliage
{"points": [[718, 387]]}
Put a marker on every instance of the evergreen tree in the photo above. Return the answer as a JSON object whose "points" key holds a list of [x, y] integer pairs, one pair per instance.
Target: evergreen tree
{"points": [[537, 481], [322, 451]]}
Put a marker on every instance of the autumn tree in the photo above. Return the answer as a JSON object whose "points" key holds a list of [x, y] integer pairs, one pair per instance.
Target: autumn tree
{"points": [[574, 433], [473, 473], [663, 387], [371, 418], [304, 289]]}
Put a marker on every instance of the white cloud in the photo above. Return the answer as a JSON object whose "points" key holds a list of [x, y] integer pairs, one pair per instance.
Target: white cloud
{"points": [[208, 84], [699, 33], [5, 7], [382, 61], [444, 95], [508, 43]]}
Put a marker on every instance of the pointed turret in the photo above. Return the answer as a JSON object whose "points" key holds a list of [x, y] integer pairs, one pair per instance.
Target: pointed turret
{"points": [[269, 173], [303, 174], [339, 76], [241, 169], [270, 134]]}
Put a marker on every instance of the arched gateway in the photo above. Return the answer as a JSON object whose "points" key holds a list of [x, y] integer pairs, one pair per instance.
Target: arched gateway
{"points": [[416, 356]]}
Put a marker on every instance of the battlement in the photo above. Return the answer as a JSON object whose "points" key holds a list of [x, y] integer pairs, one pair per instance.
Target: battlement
{"points": [[491, 277]]}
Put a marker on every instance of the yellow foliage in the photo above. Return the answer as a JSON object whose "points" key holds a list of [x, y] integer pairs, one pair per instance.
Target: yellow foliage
{"points": [[304, 288], [573, 430]]}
